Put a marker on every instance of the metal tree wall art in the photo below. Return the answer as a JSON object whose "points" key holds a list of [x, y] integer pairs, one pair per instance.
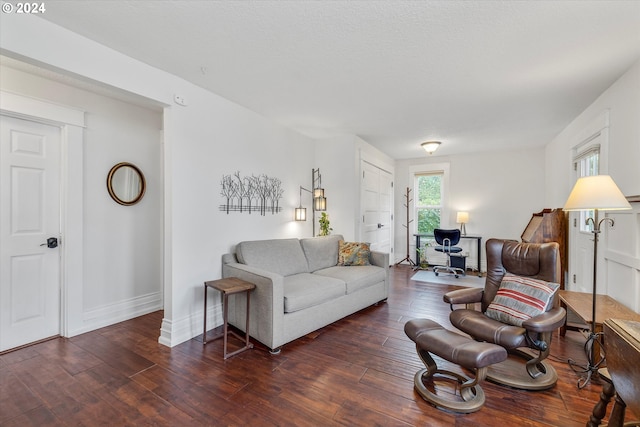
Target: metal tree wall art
{"points": [[251, 193]]}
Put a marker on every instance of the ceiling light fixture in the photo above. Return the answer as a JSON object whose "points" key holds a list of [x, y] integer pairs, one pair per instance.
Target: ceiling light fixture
{"points": [[430, 146]]}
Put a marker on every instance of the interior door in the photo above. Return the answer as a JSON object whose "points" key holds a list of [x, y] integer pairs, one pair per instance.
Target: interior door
{"points": [[377, 200], [29, 232]]}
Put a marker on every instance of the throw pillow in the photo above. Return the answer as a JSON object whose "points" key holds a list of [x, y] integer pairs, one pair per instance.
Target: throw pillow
{"points": [[353, 253], [521, 298]]}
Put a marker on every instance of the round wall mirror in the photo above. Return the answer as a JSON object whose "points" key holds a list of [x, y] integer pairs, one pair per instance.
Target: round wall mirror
{"points": [[126, 184]]}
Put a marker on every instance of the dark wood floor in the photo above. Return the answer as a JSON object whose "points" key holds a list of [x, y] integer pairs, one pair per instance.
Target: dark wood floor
{"points": [[356, 372]]}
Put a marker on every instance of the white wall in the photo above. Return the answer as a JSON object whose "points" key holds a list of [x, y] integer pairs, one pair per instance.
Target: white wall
{"points": [[622, 100], [619, 247], [122, 247], [208, 139], [339, 160], [500, 190], [202, 141]]}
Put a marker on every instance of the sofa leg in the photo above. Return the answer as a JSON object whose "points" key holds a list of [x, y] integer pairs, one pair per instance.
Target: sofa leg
{"points": [[380, 302], [275, 351]]}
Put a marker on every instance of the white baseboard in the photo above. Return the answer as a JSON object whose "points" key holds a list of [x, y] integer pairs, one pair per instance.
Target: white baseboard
{"points": [[118, 312], [177, 331]]}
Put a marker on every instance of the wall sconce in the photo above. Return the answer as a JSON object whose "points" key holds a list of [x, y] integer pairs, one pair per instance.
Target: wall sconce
{"points": [[300, 212], [462, 218], [320, 204], [430, 146], [319, 201]]}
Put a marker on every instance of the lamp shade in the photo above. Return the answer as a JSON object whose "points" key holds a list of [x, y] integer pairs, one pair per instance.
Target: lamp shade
{"points": [[301, 214], [462, 217], [320, 203], [596, 192], [430, 146]]}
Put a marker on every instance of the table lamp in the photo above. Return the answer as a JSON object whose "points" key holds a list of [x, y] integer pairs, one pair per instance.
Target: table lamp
{"points": [[462, 218]]}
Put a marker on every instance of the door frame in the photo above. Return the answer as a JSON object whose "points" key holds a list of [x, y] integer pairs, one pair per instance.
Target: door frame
{"points": [[71, 123], [596, 132], [379, 164]]}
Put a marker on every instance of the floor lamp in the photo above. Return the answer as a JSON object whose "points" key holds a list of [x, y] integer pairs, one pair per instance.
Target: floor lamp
{"points": [[597, 193]]}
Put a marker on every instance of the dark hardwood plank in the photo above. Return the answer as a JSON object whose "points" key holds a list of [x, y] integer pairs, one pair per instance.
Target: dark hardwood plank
{"points": [[15, 397], [356, 372], [112, 353], [37, 417]]}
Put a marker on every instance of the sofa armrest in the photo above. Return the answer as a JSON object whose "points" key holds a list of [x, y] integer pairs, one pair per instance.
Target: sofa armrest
{"points": [[546, 322], [267, 302], [464, 296], [381, 259]]}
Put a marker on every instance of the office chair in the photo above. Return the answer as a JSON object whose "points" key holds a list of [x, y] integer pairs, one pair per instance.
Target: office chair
{"points": [[447, 241]]}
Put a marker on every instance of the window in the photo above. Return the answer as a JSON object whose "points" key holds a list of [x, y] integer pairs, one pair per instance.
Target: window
{"points": [[587, 163], [428, 201]]}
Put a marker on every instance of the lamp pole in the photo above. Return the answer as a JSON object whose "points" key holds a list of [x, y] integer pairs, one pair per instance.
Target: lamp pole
{"points": [[590, 347]]}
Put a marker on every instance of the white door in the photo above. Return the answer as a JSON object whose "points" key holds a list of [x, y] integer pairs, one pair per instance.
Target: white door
{"points": [[377, 204], [586, 163], [29, 215]]}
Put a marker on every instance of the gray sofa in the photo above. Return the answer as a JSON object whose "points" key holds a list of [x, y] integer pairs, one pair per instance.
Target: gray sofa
{"points": [[299, 287]]}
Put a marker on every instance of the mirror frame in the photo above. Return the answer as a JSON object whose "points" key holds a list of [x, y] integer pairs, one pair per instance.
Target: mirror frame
{"points": [[114, 196]]}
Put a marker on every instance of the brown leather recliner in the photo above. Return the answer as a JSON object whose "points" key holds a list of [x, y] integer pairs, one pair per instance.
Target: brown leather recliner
{"points": [[533, 260]]}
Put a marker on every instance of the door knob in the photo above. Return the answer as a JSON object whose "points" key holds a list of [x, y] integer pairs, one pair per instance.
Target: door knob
{"points": [[380, 225], [52, 242]]}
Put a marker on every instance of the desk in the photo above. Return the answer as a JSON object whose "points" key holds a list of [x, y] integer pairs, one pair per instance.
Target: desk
{"points": [[478, 238]]}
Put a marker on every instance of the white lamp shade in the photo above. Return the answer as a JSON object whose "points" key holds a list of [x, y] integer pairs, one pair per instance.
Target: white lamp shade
{"points": [[462, 217], [320, 203], [596, 192], [301, 214]]}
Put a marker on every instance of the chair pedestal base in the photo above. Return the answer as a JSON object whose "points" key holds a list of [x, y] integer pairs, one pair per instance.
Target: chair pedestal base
{"points": [[512, 373], [469, 400], [449, 270]]}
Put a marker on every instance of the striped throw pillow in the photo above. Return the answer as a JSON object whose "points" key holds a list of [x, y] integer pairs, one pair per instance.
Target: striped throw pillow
{"points": [[521, 298]]}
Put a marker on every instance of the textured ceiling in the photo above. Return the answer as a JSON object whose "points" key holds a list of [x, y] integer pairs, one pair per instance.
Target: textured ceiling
{"points": [[477, 75]]}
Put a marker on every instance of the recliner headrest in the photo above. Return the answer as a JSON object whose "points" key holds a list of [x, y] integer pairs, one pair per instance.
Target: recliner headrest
{"points": [[521, 258]]}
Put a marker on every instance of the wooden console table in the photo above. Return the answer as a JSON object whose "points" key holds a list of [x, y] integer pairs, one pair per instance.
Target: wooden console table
{"points": [[606, 307]]}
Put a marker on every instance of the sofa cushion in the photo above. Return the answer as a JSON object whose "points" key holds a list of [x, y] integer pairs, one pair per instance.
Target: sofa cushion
{"points": [[356, 277], [306, 290], [521, 298], [321, 252], [281, 256], [353, 253]]}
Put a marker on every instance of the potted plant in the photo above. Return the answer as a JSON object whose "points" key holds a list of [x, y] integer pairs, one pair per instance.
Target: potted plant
{"points": [[422, 252], [325, 229]]}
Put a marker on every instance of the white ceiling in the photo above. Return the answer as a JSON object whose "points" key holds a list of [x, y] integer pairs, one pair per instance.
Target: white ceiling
{"points": [[477, 75]]}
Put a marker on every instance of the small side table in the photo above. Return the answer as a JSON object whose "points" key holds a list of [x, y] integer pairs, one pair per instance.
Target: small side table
{"points": [[228, 286]]}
